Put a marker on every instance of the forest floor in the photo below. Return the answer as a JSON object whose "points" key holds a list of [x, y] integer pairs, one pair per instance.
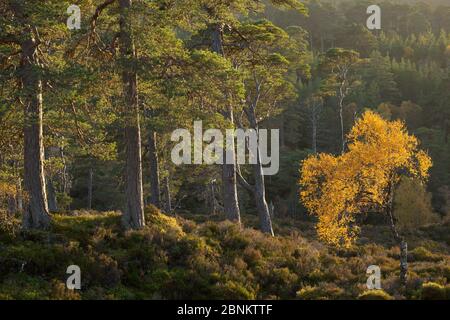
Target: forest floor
{"points": [[192, 258]]}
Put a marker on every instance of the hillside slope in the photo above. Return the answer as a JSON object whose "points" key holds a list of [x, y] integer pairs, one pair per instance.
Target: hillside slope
{"points": [[176, 258]]}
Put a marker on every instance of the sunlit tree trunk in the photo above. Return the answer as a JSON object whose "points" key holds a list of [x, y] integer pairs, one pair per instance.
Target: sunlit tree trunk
{"points": [[168, 199], [36, 214], [341, 119], [401, 242], [133, 216], [259, 188], [229, 181]]}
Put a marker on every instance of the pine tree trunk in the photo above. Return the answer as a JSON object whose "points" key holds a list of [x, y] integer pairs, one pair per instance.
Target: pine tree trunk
{"points": [[229, 181], [133, 216], [259, 188], [36, 214], [230, 197], [155, 196], [262, 208], [90, 187]]}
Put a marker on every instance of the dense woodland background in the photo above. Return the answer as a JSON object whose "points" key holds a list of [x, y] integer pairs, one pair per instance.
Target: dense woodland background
{"points": [[85, 123]]}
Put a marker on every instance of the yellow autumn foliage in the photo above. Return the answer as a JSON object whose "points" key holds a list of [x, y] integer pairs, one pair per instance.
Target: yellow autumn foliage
{"points": [[338, 188]]}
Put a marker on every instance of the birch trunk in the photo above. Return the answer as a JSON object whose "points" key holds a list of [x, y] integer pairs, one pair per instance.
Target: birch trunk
{"points": [[399, 239], [403, 262], [341, 118]]}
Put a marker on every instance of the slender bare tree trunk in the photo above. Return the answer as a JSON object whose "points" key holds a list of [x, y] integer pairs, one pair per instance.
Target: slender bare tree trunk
{"points": [[51, 195], [168, 203], [90, 187], [314, 131], [212, 198], [12, 205], [398, 238], [317, 104], [19, 195], [155, 196], [64, 177], [133, 216], [36, 214], [403, 262], [229, 181], [341, 118]]}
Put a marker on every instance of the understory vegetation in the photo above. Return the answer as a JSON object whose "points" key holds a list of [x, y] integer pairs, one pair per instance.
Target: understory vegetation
{"points": [[175, 257]]}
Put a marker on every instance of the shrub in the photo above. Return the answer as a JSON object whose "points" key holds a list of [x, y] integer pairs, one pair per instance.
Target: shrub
{"points": [[433, 291], [174, 258], [59, 291], [374, 295], [422, 254], [235, 291], [163, 223], [323, 291], [24, 287], [9, 226], [64, 200], [281, 282]]}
